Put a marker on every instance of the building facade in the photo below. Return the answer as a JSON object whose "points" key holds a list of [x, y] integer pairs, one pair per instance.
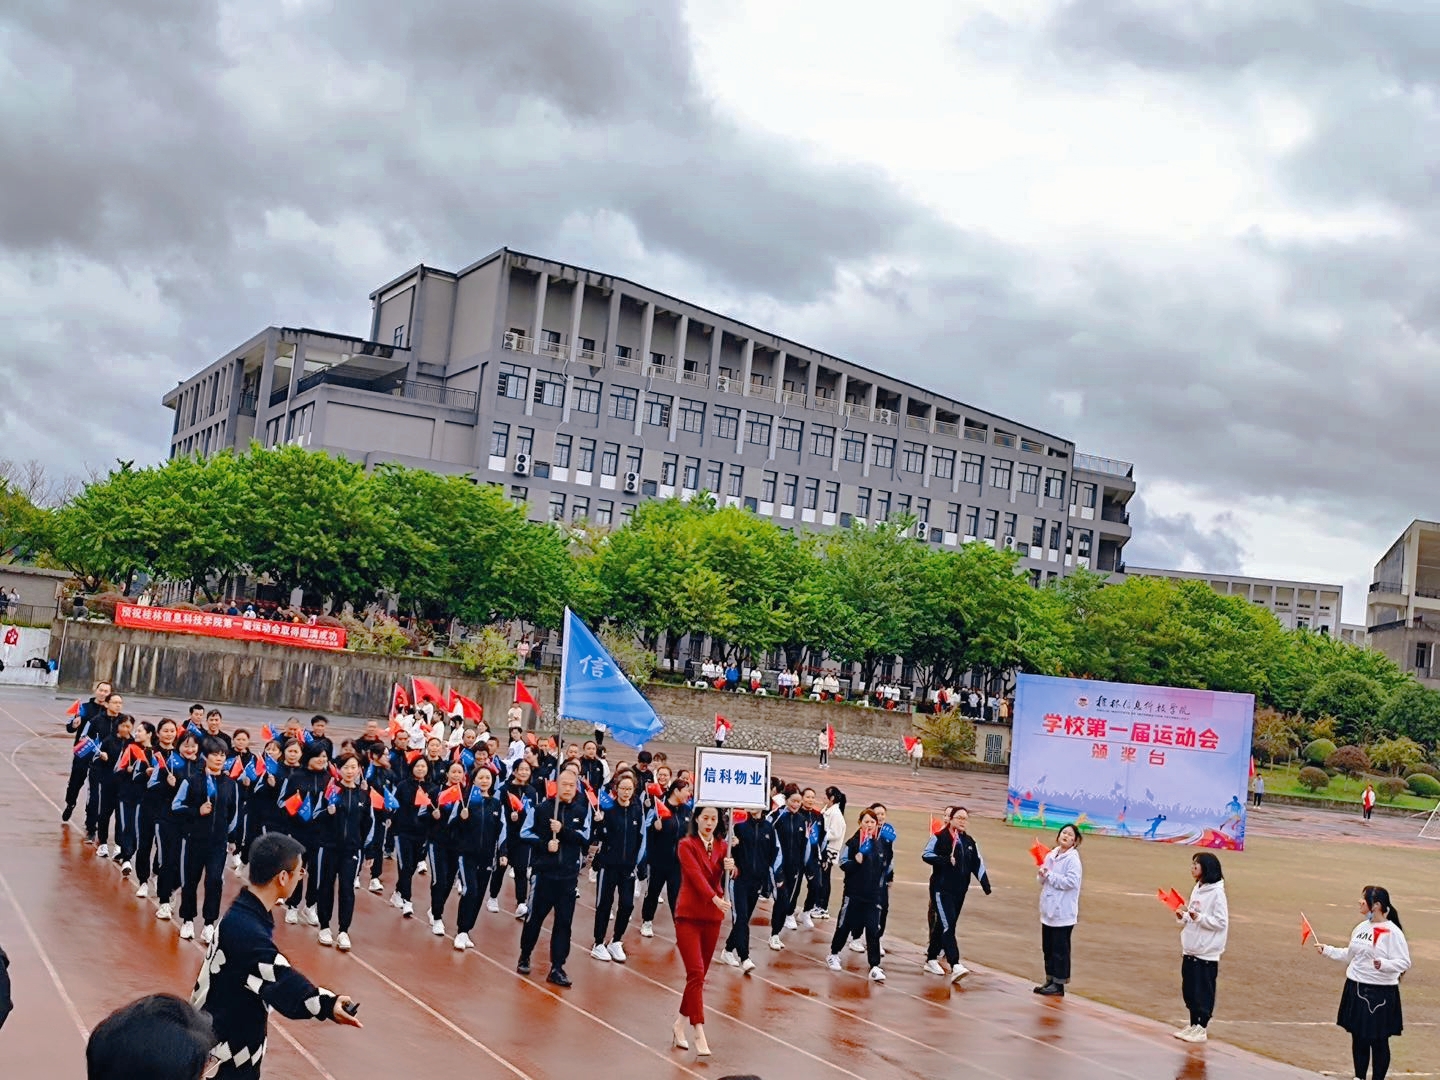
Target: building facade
{"points": [[1403, 605], [1297, 604], [582, 394]]}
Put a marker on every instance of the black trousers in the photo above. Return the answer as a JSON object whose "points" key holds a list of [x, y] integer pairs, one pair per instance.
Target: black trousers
{"points": [[612, 885], [472, 872], [1197, 985], [1055, 944], [337, 869], [147, 846], [856, 917], [105, 809], [944, 912], [92, 798], [520, 863], [127, 827], [79, 771], [817, 885], [557, 895], [745, 894], [444, 866], [662, 876], [787, 895], [167, 842], [408, 852], [307, 890], [375, 853], [1370, 1051], [201, 859]]}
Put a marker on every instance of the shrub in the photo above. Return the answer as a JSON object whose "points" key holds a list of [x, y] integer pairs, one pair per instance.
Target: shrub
{"points": [[1350, 760], [487, 655], [1318, 751], [382, 635], [948, 735], [1314, 779], [1354, 700], [1424, 785], [1390, 788], [1396, 754], [1422, 767]]}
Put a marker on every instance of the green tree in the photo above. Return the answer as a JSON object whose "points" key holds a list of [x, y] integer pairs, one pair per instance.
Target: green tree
{"points": [[198, 509], [108, 531], [1396, 754], [1354, 700], [1414, 711]]}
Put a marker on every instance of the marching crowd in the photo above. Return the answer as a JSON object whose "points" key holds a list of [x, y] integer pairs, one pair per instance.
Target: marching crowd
{"points": [[173, 803]]}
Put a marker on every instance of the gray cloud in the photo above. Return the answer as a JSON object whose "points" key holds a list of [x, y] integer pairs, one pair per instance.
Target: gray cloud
{"points": [[1178, 542]]}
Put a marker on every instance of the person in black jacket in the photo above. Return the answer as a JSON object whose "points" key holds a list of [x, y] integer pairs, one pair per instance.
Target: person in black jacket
{"points": [[106, 779], [519, 798], [205, 805], [318, 740], [753, 849], [559, 829], [410, 825], [244, 976], [479, 839], [953, 858], [241, 759], [446, 802], [6, 1004], [794, 849], [378, 777], [160, 785], [620, 826], [668, 821], [81, 725], [862, 861], [308, 782], [342, 831], [132, 773], [592, 769]]}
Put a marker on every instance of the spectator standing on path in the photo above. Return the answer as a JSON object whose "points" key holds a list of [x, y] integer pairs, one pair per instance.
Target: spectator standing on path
{"points": [[1367, 801], [1259, 789], [917, 755], [822, 743]]}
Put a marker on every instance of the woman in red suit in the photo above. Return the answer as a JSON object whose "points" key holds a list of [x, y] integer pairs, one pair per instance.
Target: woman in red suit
{"points": [[705, 863]]}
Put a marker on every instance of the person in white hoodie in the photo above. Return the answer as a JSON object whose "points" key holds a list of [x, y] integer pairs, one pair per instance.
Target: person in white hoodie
{"points": [[1060, 876], [1204, 928], [832, 820], [1370, 1004]]}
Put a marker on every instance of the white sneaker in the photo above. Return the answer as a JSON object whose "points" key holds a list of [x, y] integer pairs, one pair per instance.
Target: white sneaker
{"points": [[396, 900], [832, 962], [821, 913], [207, 933], [746, 966], [407, 909], [292, 916], [326, 938], [876, 975], [808, 921], [463, 942], [437, 927], [1183, 1032], [312, 915], [521, 910], [776, 943], [647, 929], [958, 972], [790, 923], [375, 885], [127, 868], [422, 868], [617, 952], [342, 941], [492, 904], [932, 967], [187, 931], [103, 851], [857, 945], [729, 959], [163, 913], [144, 890], [1197, 1035], [600, 952]]}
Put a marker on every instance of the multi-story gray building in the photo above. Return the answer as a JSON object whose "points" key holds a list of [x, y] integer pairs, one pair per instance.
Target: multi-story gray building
{"points": [[582, 394], [1403, 607]]}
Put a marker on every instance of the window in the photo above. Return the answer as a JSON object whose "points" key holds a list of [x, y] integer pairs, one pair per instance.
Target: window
{"points": [[525, 440], [1011, 524], [1069, 541], [1422, 654], [922, 510], [1037, 533], [610, 459], [1083, 550], [812, 495], [514, 381], [992, 522], [562, 451], [832, 498], [557, 507], [587, 455], [737, 480], [757, 429], [789, 435], [624, 352], [519, 494], [952, 518], [633, 455], [658, 359], [882, 505], [623, 401], [657, 409], [971, 467], [1054, 536], [1087, 495], [604, 512], [1054, 484], [500, 440], [692, 415], [902, 505], [579, 507], [551, 338], [585, 395], [692, 474], [398, 338], [767, 487], [587, 344], [727, 422], [787, 491], [862, 503], [549, 389], [972, 521], [913, 459], [626, 510], [713, 475], [852, 447], [822, 440], [669, 468], [1029, 477], [943, 465], [884, 455], [1000, 474]]}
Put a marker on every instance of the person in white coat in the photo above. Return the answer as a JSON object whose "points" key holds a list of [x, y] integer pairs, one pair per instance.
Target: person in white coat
{"points": [[1060, 877], [832, 820], [1204, 928], [1370, 1004]]}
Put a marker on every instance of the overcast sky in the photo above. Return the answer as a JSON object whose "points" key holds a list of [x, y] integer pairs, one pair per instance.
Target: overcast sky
{"points": [[1199, 236]]}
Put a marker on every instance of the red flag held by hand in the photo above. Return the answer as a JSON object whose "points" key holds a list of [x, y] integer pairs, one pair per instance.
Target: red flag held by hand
{"points": [[377, 800], [74, 709], [411, 755], [740, 815], [1306, 933], [425, 690], [237, 770], [1171, 899], [422, 799], [524, 697], [663, 812], [292, 804], [399, 699], [450, 796], [1038, 851], [551, 788], [515, 803], [654, 790], [937, 824]]}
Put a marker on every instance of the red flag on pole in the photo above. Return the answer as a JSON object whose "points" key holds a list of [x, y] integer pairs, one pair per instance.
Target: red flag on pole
{"points": [[450, 795], [1306, 933], [74, 709], [425, 690], [1038, 851], [1171, 899], [292, 804], [909, 741], [551, 788], [937, 824], [515, 803], [830, 735], [470, 710], [663, 812], [524, 697], [377, 800], [721, 722], [399, 699], [422, 799], [1252, 768]]}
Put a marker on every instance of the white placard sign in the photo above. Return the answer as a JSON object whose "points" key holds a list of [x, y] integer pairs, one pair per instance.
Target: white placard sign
{"points": [[732, 778]]}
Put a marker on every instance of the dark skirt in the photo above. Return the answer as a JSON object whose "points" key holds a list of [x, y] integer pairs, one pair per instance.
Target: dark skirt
{"points": [[1370, 1012]]}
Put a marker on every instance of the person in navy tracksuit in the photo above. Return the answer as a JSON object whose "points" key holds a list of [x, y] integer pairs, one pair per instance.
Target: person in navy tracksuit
{"points": [[667, 822], [443, 855], [753, 849], [559, 832], [410, 826], [479, 838], [82, 726], [132, 773], [794, 848], [206, 806], [620, 828], [342, 830], [953, 858], [106, 780], [156, 822], [862, 861], [519, 796]]}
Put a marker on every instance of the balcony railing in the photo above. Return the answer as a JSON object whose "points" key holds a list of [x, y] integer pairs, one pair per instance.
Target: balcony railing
{"points": [[430, 393], [516, 343], [249, 399], [627, 363], [793, 397], [468, 400], [1003, 438], [1115, 514], [1030, 446], [660, 371], [917, 423], [695, 378], [1388, 587], [1091, 463], [277, 396], [758, 387], [945, 427], [976, 434]]}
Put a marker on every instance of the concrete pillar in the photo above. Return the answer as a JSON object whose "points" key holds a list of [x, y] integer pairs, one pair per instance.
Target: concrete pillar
{"points": [[612, 324], [872, 397], [747, 364], [811, 377], [647, 332], [717, 337], [779, 380], [577, 304], [682, 333], [538, 323]]}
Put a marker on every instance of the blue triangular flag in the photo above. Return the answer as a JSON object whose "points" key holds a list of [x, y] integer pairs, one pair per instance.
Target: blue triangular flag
{"points": [[209, 786], [391, 802], [594, 691], [306, 810], [177, 761], [476, 795], [607, 801]]}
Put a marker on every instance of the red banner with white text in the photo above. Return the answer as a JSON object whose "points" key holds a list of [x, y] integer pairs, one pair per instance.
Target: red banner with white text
{"points": [[235, 627]]}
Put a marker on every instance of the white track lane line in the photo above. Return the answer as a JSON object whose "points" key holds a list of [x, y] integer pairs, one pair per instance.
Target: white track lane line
{"points": [[45, 959]]}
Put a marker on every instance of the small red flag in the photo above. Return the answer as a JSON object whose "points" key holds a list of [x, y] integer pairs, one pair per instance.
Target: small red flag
{"points": [[721, 722], [830, 735], [531, 739], [524, 697], [515, 803], [654, 790], [293, 803], [1306, 933], [909, 741], [74, 709], [237, 770], [425, 690], [1038, 851], [399, 699], [937, 824], [551, 788], [1171, 899], [422, 798], [451, 795], [411, 755], [740, 815], [590, 794], [377, 800], [663, 812]]}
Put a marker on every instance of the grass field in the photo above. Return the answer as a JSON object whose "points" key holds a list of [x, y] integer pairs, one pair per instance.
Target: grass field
{"points": [[1275, 997], [1284, 780]]}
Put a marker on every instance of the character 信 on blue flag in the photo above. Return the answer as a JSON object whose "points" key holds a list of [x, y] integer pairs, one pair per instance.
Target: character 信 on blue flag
{"points": [[594, 691]]}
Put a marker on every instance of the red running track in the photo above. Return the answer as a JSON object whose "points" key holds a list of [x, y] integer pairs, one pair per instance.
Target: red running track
{"points": [[81, 944]]}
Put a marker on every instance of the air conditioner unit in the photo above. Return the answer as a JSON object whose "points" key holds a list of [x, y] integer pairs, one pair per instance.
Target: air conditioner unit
{"points": [[884, 416], [522, 464], [722, 383], [922, 530], [512, 341], [1009, 543], [632, 483]]}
